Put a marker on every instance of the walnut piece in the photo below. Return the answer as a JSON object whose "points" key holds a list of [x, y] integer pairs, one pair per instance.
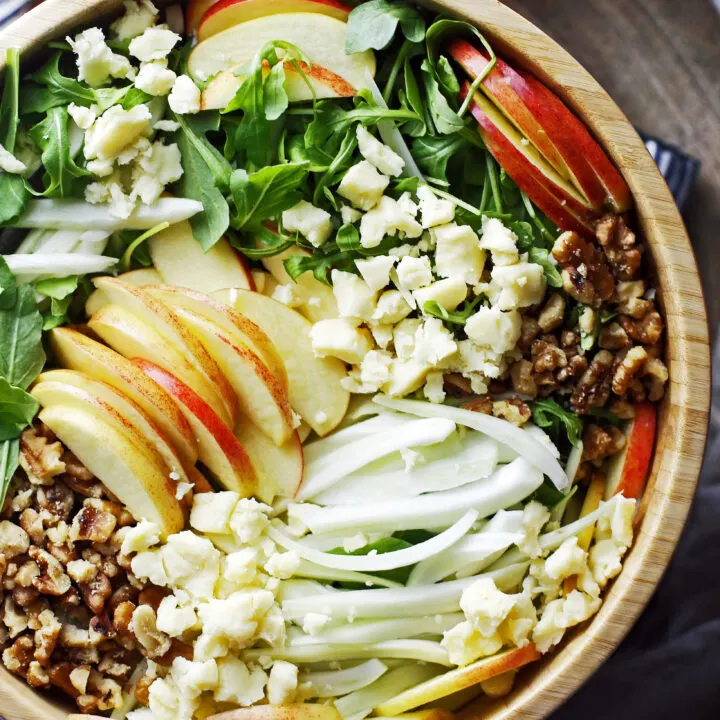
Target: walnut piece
{"points": [[618, 243], [513, 410], [93, 523], [552, 314], [613, 337], [40, 458], [631, 366], [593, 388], [14, 540], [599, 443], [52, 579], [521, 374], [144, 624], [647, 330]]}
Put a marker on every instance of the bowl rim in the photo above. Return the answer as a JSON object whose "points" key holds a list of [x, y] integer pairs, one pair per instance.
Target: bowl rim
{"points": [[684, 413]]}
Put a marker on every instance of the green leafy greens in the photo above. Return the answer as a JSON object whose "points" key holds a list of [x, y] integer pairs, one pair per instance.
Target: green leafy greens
{"points": [[557, 421], [372, 25]]}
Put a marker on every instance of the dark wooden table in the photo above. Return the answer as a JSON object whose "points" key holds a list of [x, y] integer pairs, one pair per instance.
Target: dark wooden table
{"points": [[660, 61]]}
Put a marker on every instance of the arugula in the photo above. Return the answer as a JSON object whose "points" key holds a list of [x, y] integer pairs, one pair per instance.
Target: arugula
{"points": [[372, 25], [384, 545], [266, 243], [60, 291], [8, 288], [444, 118], [433, 153], [13, 194], [265, 193], [557, 421], [340, 163], [541, 256], [452, 317], [50, 88], [550, 496], [206, 176], [61, 171], [606, 415], [20, 362]]}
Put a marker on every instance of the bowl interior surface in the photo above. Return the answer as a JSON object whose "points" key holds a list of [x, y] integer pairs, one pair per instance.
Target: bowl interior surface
{"points": [[682, 426]]}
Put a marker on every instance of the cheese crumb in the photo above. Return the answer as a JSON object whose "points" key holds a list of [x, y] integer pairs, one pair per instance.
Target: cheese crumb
{"points": [[184, 99]]}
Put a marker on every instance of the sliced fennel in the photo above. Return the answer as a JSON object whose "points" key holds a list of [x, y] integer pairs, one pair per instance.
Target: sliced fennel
{"points": [[398, 602], [504, 432], [362, 631], [57, 265], [336, 465], [474, 552], [423, 650], [379, 562], [458, 460], [333, 683], [505, 487], [361, 702], [79, 215], [318, 572], [32, 240]]}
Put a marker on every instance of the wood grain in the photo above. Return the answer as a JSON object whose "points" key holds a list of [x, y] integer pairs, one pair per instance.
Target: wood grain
{"points": [[684, 413]]}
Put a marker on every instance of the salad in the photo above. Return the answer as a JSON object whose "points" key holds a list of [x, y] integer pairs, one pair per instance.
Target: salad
{"points": [[329, 367]]}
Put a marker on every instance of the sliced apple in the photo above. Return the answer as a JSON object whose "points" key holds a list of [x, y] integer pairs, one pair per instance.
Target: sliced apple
{"points": [[195, 12], [454, 680], [226, 13], [318, 300], [76, 351], [126, 333], [122, 465], [298, 711], [279, 468], [59, 386], [240, 329], [548, 123], [181, 261], [159, 318], [313, 383], [138, 278], [555, 196], [237, 46], [218, 449], [263, 399], [628, 470]]}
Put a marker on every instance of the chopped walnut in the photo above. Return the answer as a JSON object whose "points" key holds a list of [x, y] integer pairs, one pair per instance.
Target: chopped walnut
{"points": [[599, 443], [575, 368], [648, 330], [593, 388], [656, 377], [96, 592], [14, 618], [622, 408], [613, 337], [552, 314], [618, 243], [513, 410], [631, 366], [546, 355], [529, 331], [14, 540], [586, 276], [26, 573], [94, 524], [59, 675], [57, 500], [47, 636], [40, 458], [52, 579], [144, 624], [19, 655], [480, 403], [31, 523], [79, 678], [521, 374], [37, 676]]}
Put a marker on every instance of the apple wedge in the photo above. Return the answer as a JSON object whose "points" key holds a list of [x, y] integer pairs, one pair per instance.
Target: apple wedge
{"points": [[160, 319], [226, 13], [279, 468], [194, 13], [262, 397], [218, 448], [63, 387], [458, 679], [76, 351], [122, 465], [298, 711], [241, 330], [126, 333], [237, 46], [628, 470], [180, 261], [138, 278], [313, 383], [318, 300], [554, 195]]}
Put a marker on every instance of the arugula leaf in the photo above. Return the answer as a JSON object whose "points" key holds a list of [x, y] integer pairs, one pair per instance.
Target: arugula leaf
{"points": [[267, 243], [558, 421], [413, 97], [9, 461], [275, 97], [445, 119], [320, 263], [372, 25], [606, 415], [446, 77], [348, 238], [206, 175], [136, 243], [51, 136], [8, 287], [13, 193], [541, 256], [340, 162], [454, 317], [50, 88], [433, 153], [549, 495], [57, 288], [17, 409], [265, 193]]}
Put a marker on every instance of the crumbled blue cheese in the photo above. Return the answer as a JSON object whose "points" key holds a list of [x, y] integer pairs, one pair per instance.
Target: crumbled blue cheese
{"points": [[115, 130], [500, 240], [139, 16], [282, 683], [363, 185], [155, 43], [434, 210], [349, 215], [485, 606], [517, 286], [376, 271], [458, 253], [391, 308], [492, 328], [414, 273], [340, 338], [385, 159], [354, 297], [184, 98], [84, 117], [388, 217], [156, 168], [310, 221], [434, 389], [449, 293], [155, 78], [433, 343], [96, 62]]}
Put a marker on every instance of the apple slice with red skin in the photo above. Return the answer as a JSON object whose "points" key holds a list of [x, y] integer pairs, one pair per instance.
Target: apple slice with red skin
{"points": [[279, 468], [138, 278], [298, 711], [63, 384], [180, 261], [226, 13], [240, 329], [158, 317], [195, 12], [218, 449], [628, 470], [132, 337], [262, 397], [458, 679], [530, 171], [76, 351]]}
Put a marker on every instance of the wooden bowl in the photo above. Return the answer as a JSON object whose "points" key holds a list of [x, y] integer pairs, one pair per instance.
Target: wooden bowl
{"points": [[684, 413]]}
